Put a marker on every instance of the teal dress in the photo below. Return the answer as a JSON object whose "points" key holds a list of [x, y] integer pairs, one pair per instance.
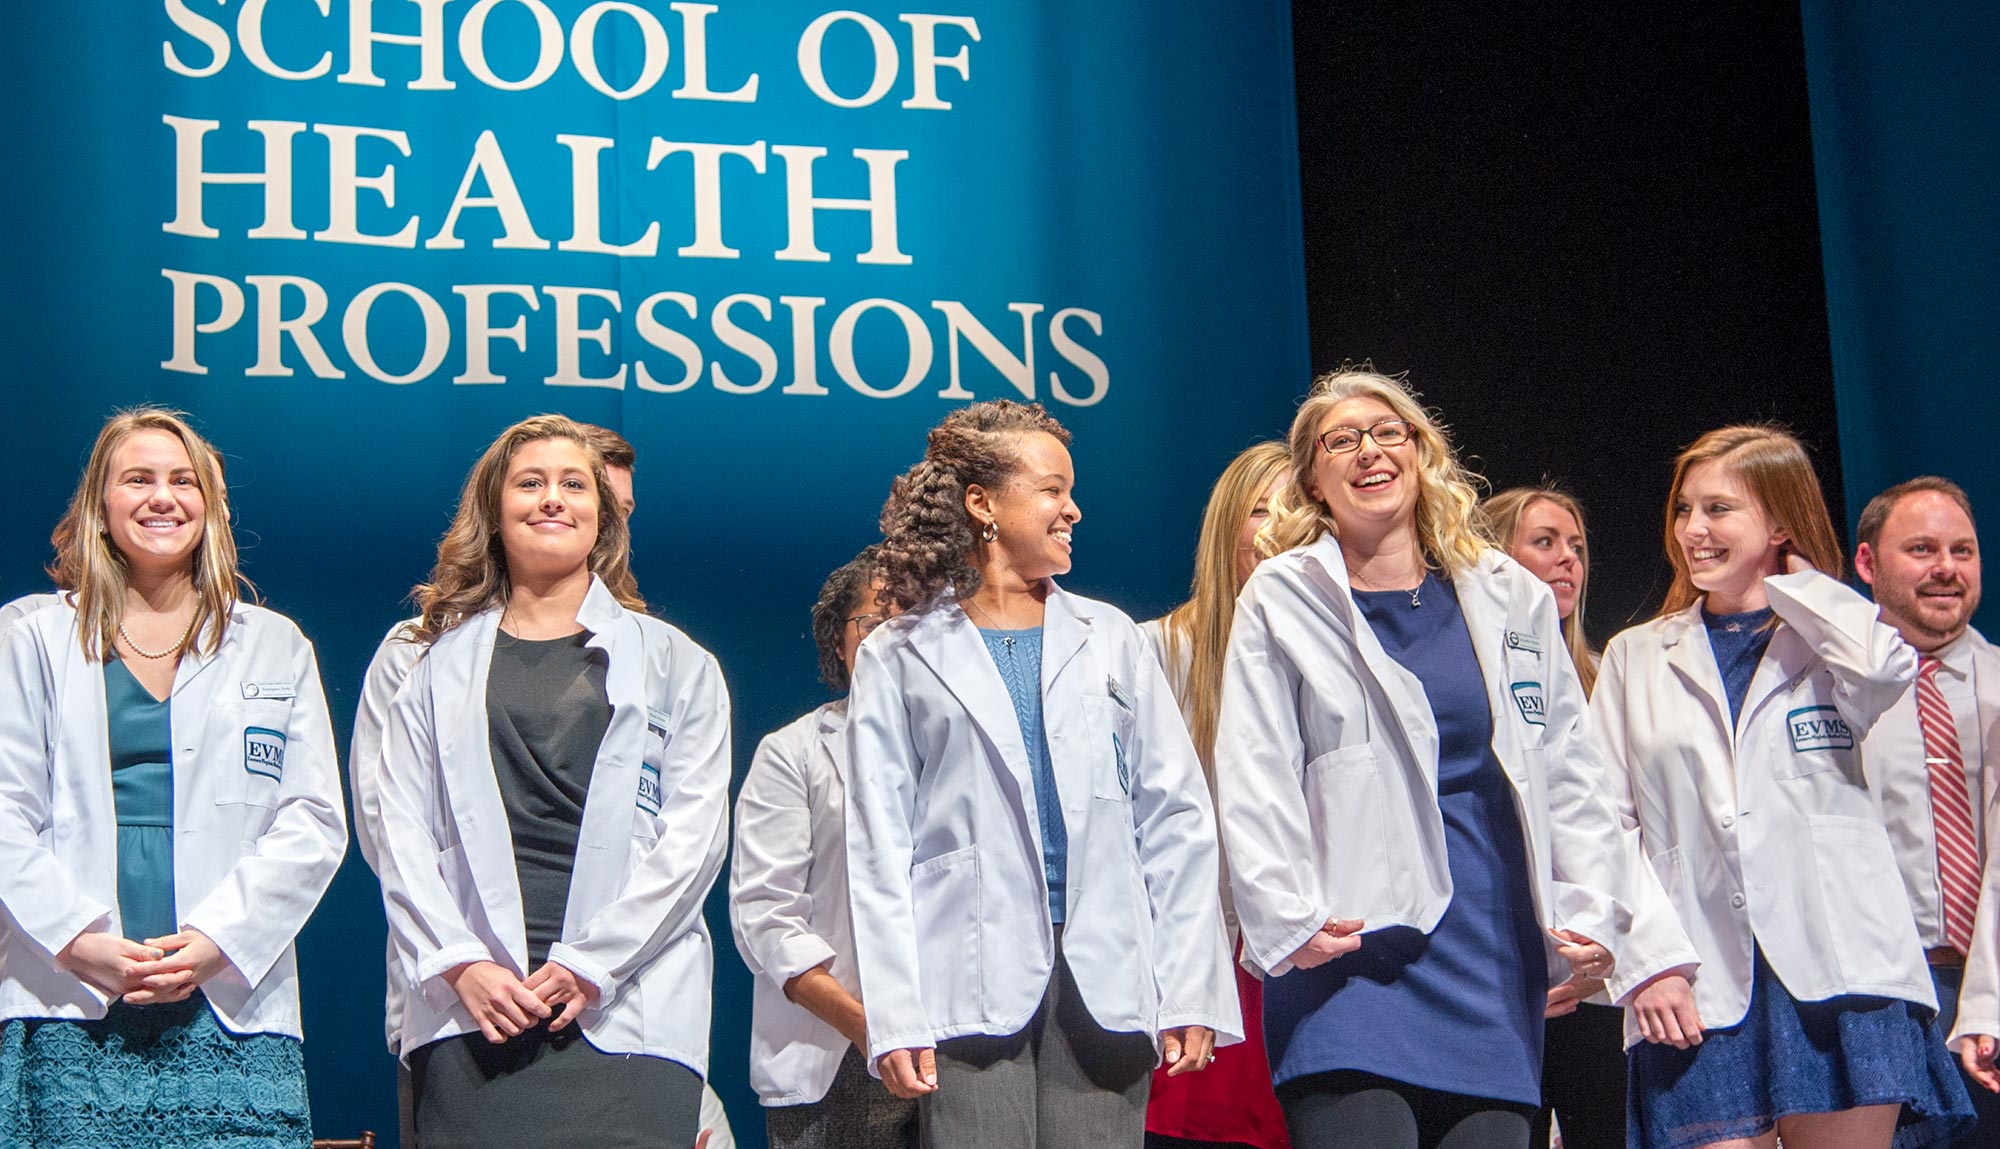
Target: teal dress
{"points": [[148, 1075]]}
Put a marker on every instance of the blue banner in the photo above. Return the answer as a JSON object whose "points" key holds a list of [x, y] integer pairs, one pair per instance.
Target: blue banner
{"points": [[770, 243]]}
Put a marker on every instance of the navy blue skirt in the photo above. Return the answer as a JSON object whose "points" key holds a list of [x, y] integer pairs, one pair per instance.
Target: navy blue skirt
{"points": [[1789, 1057]]}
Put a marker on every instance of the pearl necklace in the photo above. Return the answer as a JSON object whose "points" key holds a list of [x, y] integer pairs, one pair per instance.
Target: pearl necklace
{"points": [[142, 652]]}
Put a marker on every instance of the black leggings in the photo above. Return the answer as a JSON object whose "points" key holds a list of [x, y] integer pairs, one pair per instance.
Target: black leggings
{"points": [[1352, 1110]]}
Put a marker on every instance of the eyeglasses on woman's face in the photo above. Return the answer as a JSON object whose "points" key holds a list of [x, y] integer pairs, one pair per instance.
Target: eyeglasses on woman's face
{"points": [[1387, 433]]}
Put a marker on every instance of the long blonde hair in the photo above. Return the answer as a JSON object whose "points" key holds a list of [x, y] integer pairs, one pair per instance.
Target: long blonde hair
{"points": [[471, 571], [94, 571], [1448, 527], [1199, 628], [1503, 517], [1773, 465]]}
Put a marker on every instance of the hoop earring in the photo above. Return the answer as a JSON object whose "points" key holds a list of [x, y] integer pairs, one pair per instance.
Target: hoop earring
{"points": [[989, 532]]}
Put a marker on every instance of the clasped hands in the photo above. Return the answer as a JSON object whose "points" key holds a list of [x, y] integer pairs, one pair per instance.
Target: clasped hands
{"points": [[505, 1006], [153, 972]]}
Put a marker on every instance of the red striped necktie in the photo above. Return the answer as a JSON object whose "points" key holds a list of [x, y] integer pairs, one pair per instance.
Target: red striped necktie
{"points": [[1951, 809]]}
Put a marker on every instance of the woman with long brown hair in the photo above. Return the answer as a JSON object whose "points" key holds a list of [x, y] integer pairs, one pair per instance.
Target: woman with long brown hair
{"points": [[1736, 718], [170, 813], [1031, 853], [554, 810], [1231, 1103]]}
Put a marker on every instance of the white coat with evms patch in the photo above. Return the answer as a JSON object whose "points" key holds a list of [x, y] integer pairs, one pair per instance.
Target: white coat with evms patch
{"points": [[950, 903]]}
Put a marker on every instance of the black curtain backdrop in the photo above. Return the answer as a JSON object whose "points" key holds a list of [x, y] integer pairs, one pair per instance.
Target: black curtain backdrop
{"points": [[1589, 235]]}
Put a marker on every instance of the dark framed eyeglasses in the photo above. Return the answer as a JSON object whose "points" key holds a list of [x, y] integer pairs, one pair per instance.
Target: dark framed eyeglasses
{"points": [[865, 623], [1387, 433]]}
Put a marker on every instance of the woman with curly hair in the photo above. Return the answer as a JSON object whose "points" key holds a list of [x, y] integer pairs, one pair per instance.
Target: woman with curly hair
{"points": [[170, 814], [554, 809], [788, 907], [1032, 858], [1419, 837]]}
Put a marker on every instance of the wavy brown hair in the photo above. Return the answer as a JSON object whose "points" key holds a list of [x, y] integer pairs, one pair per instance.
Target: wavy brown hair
{"points": [[843, 593], [1200, 626], [1773, 465], [928, 541], [94, 571], [1447, 511], [1503, 517], [471, 571]]}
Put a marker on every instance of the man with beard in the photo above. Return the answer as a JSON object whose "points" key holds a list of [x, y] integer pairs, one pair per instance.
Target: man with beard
{"points": [[1935, 757]]}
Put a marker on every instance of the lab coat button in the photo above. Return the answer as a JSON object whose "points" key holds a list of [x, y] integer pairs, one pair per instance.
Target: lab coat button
{"points": [[1736, 901], [1728, 820]]}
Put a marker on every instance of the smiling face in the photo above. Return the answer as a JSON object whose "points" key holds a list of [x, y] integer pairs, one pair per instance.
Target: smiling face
{"points": [[1549, 542], [1727, 540], [548, 509], [154, 511], [1372, 489], [1032, 510], [1247, 556], [1924, 568]]}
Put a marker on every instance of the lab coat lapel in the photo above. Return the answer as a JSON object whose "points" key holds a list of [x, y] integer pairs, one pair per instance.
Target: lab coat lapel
{"points": [[1482, 600], [460, 662], [1405, 693], [1065, 632], [198, 659], [605, 836], [947, 642]]}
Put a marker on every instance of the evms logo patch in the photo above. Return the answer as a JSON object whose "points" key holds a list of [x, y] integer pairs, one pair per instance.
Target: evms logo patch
{"points": [[1528, 697], [264, 751], [1818, 728], [649, 788]]}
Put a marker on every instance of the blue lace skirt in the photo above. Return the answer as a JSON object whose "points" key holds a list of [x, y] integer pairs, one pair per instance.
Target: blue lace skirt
{"points": [[150, 1076], [1789, 1057]]}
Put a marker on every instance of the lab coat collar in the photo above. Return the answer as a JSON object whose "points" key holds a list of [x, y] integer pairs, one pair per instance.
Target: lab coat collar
{"points": [[198, 658], [1688, 652], [948, 642]]}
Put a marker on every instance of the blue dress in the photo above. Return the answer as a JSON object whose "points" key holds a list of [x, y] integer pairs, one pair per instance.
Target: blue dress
{"points": [[146, 1076], [1460, 1009], [1789, 1057]]}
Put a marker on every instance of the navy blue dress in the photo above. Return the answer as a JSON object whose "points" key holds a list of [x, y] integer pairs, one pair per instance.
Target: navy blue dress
{"points": [[1460, 1009]]}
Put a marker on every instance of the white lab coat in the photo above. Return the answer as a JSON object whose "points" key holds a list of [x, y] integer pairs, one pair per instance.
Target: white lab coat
{"points": [[950, 902], [24, 606], [258, 823], [655, 827], [788, 899], [1327, 760], [1765, 834], [387, 672]]}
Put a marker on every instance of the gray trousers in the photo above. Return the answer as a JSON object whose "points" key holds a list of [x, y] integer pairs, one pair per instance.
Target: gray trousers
{"points": [[1064, 1082]]}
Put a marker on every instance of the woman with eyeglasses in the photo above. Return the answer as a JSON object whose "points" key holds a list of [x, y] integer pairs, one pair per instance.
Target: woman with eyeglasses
{"points": [[1413, 803], [1031, 853], [788, 907]]}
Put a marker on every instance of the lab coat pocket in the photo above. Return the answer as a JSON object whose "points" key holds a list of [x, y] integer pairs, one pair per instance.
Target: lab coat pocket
{"points": [[255, 731], [1108, 728], [1815, 738], [1867, 915], [1349, 805], [945, 894]]}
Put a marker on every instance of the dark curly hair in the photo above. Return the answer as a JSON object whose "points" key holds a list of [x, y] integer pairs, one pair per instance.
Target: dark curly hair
{"points": [[927, 537], [845, 590]]}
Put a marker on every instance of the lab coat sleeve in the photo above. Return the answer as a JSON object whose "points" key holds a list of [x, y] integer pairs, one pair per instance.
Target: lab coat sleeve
{"points": [[1872, 665], [264, 901], [43, 905], [769, 909], [1179, 857], [882, 768], [1979, 994], [1259, 776], [1605, 889], [426, 927], [387, 671], [662, 899]]}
